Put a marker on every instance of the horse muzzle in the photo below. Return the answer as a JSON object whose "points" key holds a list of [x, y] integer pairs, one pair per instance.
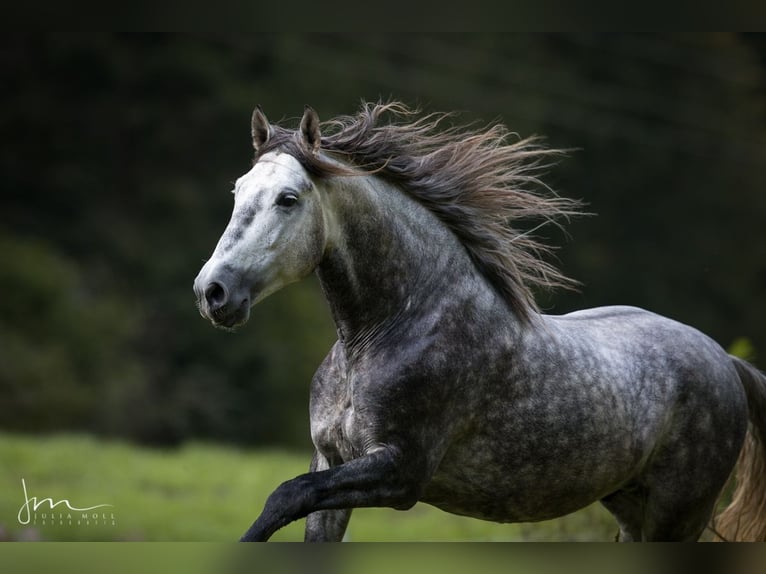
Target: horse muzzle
{"points": [[221, 299]]}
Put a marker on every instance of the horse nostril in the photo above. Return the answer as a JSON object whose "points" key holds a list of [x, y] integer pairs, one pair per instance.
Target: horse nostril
{"points": [[215, 295]]}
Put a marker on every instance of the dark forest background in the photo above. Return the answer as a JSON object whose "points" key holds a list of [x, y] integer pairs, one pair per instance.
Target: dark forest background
{"points": [[118, 154]]}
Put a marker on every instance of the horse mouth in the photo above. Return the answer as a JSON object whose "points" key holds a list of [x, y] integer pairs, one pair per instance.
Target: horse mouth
{"points": [[228, 319]]}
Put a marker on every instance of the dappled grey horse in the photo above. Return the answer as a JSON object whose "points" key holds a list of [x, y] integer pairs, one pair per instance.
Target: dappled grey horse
{"points": [[446, 384]]}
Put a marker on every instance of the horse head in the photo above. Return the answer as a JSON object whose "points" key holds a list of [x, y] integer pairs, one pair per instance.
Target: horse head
{"points": [[276, 234]]}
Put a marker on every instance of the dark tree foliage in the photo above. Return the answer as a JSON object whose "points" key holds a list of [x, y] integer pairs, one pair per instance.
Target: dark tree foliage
{"points": [[119, 152]]}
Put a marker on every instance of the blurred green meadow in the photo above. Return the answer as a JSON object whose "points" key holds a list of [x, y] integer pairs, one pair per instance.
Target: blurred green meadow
{"points": [[205, 492]]}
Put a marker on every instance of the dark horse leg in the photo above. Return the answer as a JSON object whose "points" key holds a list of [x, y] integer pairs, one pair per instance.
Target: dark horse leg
{"points": [[674, 496], [378, 479], [688, 470], [627, 506], [325, 525], [679, 512], [660, 513]]}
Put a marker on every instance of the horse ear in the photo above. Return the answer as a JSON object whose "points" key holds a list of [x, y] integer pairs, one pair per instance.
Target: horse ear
{"points": [[260, 129], [310, 129]]}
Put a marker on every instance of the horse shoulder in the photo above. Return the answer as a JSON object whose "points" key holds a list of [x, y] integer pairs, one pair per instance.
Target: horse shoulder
{"points": [[329, 404]]}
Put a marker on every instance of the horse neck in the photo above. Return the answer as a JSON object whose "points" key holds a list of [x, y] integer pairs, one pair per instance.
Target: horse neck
{"points": [[388, 260]]}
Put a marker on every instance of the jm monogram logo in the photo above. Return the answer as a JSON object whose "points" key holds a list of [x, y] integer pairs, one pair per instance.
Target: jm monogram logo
{"points": [[32, 504]]}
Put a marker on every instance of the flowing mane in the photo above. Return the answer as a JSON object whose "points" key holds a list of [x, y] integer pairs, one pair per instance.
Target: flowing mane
{"points": [[475, 181]]}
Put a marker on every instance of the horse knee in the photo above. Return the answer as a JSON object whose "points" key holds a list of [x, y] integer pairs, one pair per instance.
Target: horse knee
{"points": [[407, 480], [407, 495]]}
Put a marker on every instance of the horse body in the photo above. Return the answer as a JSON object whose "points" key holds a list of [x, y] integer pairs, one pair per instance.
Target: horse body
{"points": [[442, 389], [580, 416], [519, 423]]}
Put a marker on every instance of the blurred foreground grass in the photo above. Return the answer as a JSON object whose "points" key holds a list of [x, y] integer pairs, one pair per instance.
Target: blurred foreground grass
{"points": [[204, 492]]}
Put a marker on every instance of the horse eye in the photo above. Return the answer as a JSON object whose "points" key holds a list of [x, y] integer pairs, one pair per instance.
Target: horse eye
{"points": [[287, 199]]}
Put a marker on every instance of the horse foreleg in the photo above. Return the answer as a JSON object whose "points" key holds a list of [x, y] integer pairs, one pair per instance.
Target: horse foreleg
{"points": [[380, 478], [325, 525]]}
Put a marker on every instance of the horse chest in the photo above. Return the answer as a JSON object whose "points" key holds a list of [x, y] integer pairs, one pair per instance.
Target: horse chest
{"points": [[335, 428]]}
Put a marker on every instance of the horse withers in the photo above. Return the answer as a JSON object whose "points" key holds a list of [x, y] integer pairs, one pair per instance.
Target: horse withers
{"points": [[447, 385]]}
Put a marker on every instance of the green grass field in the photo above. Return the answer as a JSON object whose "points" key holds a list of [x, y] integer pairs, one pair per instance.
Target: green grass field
{"points": [[204, 492]]}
